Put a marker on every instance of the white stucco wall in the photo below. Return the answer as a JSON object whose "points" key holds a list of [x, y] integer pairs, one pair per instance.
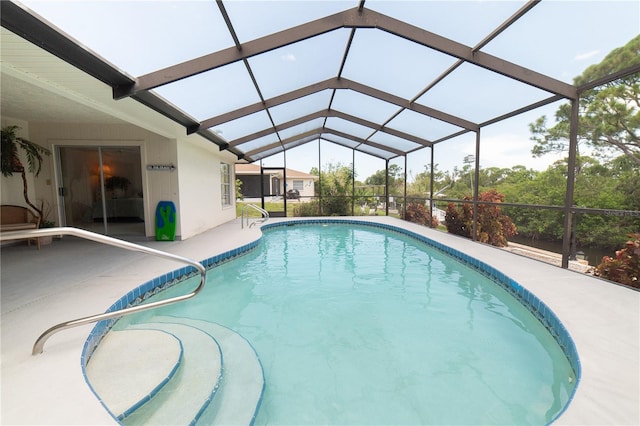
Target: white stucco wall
{"points": [[200, 186], [110, 122], [194, 186], [309, 186]]}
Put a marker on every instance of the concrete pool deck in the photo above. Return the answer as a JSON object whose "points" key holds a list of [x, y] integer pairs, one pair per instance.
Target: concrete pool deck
{"points": [[73, 278]]}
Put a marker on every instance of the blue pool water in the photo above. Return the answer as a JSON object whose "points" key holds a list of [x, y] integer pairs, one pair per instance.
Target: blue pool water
{"points": [[357, 325]]}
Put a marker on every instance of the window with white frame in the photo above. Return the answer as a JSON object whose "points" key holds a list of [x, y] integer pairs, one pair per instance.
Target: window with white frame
{"points": [[298, 184], [225, 181]]}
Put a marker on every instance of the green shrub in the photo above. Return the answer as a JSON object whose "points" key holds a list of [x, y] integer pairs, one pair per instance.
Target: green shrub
{"points": [[311, 208], [336, 206]]}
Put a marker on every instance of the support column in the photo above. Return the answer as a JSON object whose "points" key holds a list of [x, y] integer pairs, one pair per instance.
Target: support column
{"points": [[475, 188], [404, 202], [571, 178], [319, 178], [386, 187], [353, 182], [284, 176], [431, 187]]}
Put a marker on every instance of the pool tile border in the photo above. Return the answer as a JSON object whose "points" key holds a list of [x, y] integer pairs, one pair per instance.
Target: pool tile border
{"points": [[537, 307], [141, 293], [152, 287]]}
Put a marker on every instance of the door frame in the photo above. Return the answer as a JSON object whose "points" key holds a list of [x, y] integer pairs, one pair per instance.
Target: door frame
{"points": [[98, 144], [263, 195]]}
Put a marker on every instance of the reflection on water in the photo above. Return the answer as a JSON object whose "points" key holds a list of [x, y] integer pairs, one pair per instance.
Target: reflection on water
{"points": [[361, 326]]}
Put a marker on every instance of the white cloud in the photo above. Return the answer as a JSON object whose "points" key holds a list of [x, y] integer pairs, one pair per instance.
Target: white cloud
{"points": [[508, 150], [587, 55], [289, 57]]}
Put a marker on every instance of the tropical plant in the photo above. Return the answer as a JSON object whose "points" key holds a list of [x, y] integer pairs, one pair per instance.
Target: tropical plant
{"points": [[625, 267], [10, 161], [418, 213], [334, 189], [492, 226], [458, 220], [239, 195], [45, 208]]}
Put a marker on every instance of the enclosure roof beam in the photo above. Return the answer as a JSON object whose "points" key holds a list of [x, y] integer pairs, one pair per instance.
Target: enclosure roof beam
{"points": [[284, 147], [382, 157], [351, 18], [325, 114], [318, 132], [362, 141], [337, 83]]}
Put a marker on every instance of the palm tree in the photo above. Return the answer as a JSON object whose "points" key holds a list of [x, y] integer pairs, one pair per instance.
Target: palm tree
{"points": [[10, 158]]}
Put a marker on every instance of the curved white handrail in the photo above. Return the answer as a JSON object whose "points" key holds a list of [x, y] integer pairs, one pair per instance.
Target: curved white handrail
{"points": [[19, 235], [265, 215]]}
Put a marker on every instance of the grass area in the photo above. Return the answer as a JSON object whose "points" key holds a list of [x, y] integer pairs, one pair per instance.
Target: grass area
{"points": [[291, 207], [268, 206]]}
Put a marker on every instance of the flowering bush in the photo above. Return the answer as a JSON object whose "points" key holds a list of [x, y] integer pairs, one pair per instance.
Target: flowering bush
{"points": [[625, 267]]}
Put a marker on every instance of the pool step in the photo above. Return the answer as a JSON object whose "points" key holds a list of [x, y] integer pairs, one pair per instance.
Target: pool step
{"points": [[238, 399], [182, 399], [195, 372], [121, 382]]}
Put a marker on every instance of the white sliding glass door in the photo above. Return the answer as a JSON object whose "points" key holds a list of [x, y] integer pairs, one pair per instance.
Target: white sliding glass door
{"points": [[101, 189]]}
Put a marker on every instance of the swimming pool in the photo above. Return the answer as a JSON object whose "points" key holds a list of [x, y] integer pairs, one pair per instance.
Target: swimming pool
{"points": [[363, 325]]}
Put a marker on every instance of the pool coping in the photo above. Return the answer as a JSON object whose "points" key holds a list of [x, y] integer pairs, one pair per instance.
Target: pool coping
{"points": [[602, 318]]}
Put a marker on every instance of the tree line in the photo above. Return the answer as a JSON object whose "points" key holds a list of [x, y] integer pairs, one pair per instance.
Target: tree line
{"points": [[607, 173]]}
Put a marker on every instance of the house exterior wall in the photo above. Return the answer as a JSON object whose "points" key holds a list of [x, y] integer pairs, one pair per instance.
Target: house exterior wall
{"points": [[194, 186], [308, 189], [200, 187], [251, 186]]}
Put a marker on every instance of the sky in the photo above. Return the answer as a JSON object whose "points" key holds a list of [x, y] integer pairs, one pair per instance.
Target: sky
{"points": [[557, 38]]}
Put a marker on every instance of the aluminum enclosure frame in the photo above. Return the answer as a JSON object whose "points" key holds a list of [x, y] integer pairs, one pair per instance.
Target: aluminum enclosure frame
{"points": [[39, 32]]}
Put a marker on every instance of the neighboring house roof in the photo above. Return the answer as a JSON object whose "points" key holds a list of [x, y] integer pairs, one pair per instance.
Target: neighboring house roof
{"points": [[254, 169]]}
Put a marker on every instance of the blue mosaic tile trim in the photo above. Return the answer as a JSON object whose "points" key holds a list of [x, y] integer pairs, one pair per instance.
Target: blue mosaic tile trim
{"points": [[539, 309], [152, 287]]}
